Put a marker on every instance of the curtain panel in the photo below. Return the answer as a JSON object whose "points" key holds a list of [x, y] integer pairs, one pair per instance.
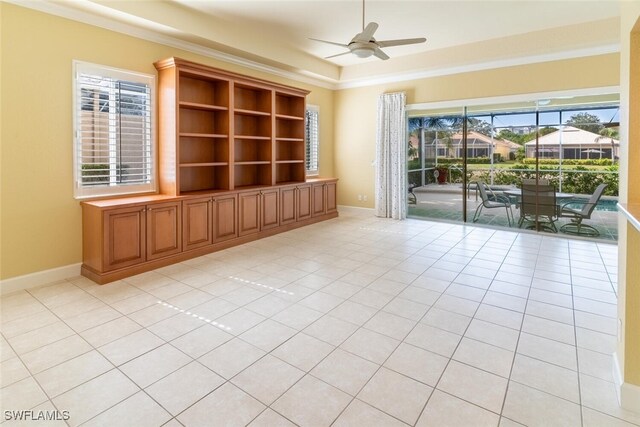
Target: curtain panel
{"points": [[391, 161]]}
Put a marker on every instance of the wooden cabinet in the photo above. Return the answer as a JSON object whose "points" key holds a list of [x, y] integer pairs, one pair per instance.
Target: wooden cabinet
{"points": [[225, 217], [164, 230], [318, 199], [248, 212], [222, 131], [331, 197], [124, 237], [324, 198], [196, 223], [304, 202], [270, 208], [288, 199], [127, 236]]}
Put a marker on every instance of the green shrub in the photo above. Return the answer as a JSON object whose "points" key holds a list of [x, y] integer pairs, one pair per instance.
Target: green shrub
{"points": [[587, 162], [95, 173]]}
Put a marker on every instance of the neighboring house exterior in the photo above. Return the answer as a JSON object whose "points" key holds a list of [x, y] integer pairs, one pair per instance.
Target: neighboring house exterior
{"points": [[478, 145], [575, 144]]}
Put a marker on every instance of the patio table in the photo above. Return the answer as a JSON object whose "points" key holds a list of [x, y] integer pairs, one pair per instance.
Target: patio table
{"points": [[517, 193]]}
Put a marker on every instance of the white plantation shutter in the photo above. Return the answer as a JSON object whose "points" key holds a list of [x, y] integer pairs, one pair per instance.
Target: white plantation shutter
{"points": [[311, 139], [113, 131]]}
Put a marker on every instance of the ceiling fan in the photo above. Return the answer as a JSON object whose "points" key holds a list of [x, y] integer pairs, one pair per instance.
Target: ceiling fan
{"points": [[364, 45]]}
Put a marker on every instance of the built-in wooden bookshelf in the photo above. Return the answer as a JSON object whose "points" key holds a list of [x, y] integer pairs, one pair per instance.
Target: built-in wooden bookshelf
{"points": [[231, 170], [223, 131]]}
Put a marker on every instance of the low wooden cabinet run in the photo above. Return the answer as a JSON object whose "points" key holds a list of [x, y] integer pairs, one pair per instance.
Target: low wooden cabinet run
{"points": [[123, 237], [130, 235]]}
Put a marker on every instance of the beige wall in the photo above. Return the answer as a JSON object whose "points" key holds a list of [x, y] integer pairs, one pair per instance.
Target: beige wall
{"points": [[355, 109], [628, 349], [41, 221]]}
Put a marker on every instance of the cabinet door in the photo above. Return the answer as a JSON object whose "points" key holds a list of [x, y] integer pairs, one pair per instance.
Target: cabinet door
{"points": [[248, 213], [164, 230], [287, 205], [196, 223], [331, 204], [270, 209], [304, 202], [124, 237], [225, 214], [318, 195]]}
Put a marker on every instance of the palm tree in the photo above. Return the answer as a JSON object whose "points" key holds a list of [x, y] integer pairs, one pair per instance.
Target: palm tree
{"points": [[610, 134]]}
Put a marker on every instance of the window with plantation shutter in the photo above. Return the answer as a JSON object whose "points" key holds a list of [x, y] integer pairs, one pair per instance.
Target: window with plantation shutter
{"points": [[312, 139], [114, 140]]}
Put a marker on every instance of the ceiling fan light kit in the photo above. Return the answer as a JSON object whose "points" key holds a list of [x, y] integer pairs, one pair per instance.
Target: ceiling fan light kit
{"points": [[364, 45]]}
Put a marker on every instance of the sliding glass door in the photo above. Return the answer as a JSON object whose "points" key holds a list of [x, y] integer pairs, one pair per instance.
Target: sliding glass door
{"points": [[434, 165], [471, 166]]}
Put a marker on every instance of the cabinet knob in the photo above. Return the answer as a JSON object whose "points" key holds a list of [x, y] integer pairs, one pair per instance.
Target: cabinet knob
{"points": [[149, 209]]}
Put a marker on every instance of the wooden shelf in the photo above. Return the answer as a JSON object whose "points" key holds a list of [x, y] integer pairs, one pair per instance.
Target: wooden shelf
{"points": [[252, 173], [198, 106], [209, 177], [219, 130], [199, 89], [258, 162], [289, 105], [290, 139], [203, 121], [250, 112], [252, 98], [289, 129], [286, 117], [202, 135], [195, 165], [262, 138], [289, 171]]}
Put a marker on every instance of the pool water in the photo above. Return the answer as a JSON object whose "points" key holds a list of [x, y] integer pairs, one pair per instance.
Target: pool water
{"points": [[609, 205]]}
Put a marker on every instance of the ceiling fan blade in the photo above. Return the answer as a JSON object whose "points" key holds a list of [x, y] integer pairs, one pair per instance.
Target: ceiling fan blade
{"points": [[366, 34], [380, 54], [327, 42], [400, 42], [338, 54]]}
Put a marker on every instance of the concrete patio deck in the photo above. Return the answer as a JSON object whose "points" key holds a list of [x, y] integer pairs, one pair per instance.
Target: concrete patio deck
{"points": [[444, 201]]}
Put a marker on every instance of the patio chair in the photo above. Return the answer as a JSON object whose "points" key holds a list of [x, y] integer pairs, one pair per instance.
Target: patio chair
{"points": [[532, 181], [578, 214], [490, 201], [412, 199], [538, 201]]}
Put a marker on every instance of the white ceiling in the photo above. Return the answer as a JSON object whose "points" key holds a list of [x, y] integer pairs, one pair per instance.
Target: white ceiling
{"points": [[444, 23], [276, 33]]}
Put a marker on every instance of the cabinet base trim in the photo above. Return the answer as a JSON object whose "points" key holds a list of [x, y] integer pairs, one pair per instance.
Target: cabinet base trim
{"points": [[102, 278], [39, 278]]}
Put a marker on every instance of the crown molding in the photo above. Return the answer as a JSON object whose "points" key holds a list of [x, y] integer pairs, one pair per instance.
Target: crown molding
{"points": [[299, 75], [302, 76], [511, 62]]}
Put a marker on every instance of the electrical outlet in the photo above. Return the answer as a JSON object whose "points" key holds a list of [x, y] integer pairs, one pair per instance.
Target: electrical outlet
{"points": [[360, 197], [364, 197]]}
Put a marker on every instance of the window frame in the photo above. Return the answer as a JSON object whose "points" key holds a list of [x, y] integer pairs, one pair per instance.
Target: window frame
{"points": [[81, 191], [316, 171]]}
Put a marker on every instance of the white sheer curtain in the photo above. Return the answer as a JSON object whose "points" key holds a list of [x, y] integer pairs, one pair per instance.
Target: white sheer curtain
{"points": [[391, 160]]}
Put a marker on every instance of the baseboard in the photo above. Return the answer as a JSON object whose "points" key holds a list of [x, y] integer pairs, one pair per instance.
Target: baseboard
{"points": [[356, 208], [628, 394], [38, 278]]}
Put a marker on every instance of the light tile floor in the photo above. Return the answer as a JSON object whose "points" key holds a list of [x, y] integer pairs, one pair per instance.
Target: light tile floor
{"points": [[354, 321]]}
